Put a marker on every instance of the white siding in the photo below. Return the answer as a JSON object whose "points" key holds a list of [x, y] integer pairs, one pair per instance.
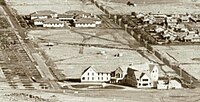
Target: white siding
{"points": [[85, 25], [144, 82], [37, 23], [92, 76], [53, 25], [39, 17]]}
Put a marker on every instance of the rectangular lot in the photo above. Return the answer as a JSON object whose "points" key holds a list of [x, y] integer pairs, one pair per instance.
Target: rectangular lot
{"points": [[71, 57], [25, 7], [153, 6], [188, 56]]}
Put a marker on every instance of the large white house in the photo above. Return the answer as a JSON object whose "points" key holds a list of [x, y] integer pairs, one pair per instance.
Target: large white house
{"points": [[92, 75], [142, 76]]}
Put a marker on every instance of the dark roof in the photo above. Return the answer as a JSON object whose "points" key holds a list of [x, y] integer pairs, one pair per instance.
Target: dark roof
{"points": [[85, 21], [44, 12], [65, 16], [74, 12], [54, 21]]}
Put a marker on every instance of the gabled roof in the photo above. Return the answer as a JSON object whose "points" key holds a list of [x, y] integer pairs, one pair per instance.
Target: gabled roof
{"points": [[86, 21], [140, 67], [74, 12], [123, 68], [40, 20], [65, 16], [44, 12], [139, 74], [90, 67], [53, 21], [98, 69]]}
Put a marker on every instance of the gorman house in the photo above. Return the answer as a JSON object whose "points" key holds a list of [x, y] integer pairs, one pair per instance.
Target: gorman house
{"points": [[92, 74]]}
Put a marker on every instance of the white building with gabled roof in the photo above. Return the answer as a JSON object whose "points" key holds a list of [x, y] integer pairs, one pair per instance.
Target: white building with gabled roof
{"points": [[143, 75], [94, 75]]}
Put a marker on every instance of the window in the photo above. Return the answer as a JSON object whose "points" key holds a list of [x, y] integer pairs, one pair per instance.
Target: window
{"points": [[101, 78], [144, 79], [83, 78], [107, 78], [92, 78], [118, 75], [145, 84], [139, 84], [137, 79], [98, 78], [92, 73], [88, 78], [98, 74], [88, 73]]}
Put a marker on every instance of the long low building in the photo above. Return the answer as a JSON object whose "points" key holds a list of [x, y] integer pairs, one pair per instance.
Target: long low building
{"points": [[87, 22], [48, 23]]}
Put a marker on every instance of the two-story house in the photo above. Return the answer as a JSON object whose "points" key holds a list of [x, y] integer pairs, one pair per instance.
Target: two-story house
{"points": [[142, 76], [93, 75], [118, 75]]}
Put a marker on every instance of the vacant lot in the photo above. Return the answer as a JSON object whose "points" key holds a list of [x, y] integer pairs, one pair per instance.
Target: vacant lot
{"points": [[187, 56], [154, 6], [25, 7], [72, 57], [153, 1]]}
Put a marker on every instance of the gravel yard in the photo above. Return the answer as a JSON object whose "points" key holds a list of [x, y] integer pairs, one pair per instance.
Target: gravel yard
{"points": [[25, 7]]}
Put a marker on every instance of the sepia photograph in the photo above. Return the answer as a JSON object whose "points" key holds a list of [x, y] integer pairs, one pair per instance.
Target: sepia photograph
{"points": [[99, 50]]}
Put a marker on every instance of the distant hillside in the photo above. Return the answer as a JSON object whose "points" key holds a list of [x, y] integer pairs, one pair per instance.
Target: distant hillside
{"points": [[154, 1]]}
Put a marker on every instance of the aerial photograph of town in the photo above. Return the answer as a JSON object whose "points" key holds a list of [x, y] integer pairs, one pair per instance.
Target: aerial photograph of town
{"points": [[100, 50]]}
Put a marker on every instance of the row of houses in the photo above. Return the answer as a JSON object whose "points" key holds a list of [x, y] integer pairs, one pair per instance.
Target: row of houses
{"points": [[171, 27], [48, 18], [140, 76]]}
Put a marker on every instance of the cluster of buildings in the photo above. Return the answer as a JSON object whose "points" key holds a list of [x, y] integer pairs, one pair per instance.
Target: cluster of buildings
{"points": [[171, 27], [51, 19], [140, 76]]}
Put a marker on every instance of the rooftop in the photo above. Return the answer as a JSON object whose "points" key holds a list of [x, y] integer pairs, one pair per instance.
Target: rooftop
{"points": [[52, 21], [86, 20], [43, 12]]}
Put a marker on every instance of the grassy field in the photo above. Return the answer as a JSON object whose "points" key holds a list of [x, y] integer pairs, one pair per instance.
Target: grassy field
{"points": [[153, 6], [59, 6], [72, 58], [187, 56]]}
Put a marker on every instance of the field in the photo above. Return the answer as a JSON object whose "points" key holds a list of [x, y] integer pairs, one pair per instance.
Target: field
{"points": [[113, 95], [59, 6], [153, 6], [72, 57], [187, 56]]}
